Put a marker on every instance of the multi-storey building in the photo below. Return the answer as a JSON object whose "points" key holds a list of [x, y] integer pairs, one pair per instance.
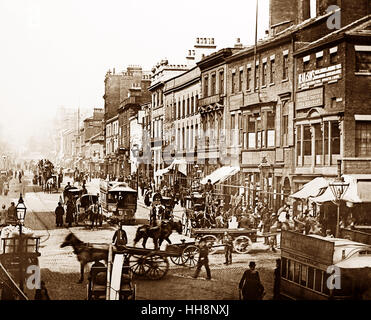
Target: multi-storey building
{"points": [[120, 90]]}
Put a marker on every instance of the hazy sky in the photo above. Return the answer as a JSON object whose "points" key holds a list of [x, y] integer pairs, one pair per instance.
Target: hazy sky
{"points": [[56, 53]]}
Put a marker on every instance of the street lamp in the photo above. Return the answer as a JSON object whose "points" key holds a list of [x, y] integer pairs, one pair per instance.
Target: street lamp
{"points": [[21, 215], [338, 188]]}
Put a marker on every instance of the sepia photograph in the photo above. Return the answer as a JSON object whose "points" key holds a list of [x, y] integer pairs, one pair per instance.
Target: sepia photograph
{"points": [[205, 152]]}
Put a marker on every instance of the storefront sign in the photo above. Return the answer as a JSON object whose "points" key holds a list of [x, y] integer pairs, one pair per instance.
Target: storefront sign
{"points": [[319, 76], [309, 247], [309, 98]]}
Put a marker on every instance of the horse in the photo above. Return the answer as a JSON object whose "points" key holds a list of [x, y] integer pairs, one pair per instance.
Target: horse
{"points": [[158, 234], [85, 252]]}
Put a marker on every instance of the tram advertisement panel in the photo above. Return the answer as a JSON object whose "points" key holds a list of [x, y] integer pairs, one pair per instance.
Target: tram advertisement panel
{"points": [[308, 247]]}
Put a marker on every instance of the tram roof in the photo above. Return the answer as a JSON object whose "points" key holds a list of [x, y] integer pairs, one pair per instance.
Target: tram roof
{"points": [[351, 250]]}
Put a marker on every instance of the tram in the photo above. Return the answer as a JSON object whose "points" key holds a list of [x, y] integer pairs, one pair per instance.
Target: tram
{"points": [[310, 264]]}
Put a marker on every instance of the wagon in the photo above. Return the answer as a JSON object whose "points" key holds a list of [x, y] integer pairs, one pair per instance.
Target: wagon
{"points": [[242, 238], [83, 207], [169, 204]]}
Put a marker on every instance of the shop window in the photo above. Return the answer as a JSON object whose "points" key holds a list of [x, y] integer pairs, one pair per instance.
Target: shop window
{"points": [[307, 141], [363, 138], [310, 277], [335, 138]]}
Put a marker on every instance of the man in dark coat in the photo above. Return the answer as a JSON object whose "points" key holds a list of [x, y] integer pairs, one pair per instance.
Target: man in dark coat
{"points": [[59, 212], [250, 285], [228, 247], [120, 237], [208, 186], [203, 260], [70, 212], [12, 213]]}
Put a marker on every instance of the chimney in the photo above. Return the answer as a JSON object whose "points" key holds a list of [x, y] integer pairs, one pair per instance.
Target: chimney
{"points": [[238, 43]]}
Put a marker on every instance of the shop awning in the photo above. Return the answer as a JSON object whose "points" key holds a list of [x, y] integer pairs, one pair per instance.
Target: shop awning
{"points": [[182, 167], [311, 189], [221, 174], [357, 192]]}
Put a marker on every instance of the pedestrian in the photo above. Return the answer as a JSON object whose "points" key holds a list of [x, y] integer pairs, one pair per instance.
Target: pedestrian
{"points": [[70, 212], [228, 247], [20, 176], [208, 187], [250, 285], [157, 210], [203, 260], [6, 188], [94, 215], [12, 213], [68, 186], [277, 280], [120, 237], [59, 212], [42, 293], [3, 215]]}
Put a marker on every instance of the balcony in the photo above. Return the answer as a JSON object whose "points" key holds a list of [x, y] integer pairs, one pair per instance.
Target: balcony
{"points": [[209, 100]]}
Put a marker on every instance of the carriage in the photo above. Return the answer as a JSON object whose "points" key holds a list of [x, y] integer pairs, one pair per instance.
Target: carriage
{"points": [[83, 208], [52, 184], [72, 193], [193, 204], [168, 203]]}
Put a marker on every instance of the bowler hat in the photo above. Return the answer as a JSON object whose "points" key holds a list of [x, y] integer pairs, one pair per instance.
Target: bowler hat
{"points": [[252, 264]]}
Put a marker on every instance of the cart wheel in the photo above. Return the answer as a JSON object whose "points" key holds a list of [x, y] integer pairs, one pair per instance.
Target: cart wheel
{"points": [[242, 244], [138, 265], [190, 256], [178, 260], [158, 266], [211, 240]]}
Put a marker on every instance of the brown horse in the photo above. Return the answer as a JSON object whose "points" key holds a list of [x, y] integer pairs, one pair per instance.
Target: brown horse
{"points": [[158, 233], [85, 252]]}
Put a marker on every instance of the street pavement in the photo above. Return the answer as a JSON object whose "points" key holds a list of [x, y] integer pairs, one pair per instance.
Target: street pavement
{"points": [[60, 268]]}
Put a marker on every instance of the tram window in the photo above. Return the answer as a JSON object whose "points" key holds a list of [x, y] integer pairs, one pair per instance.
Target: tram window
{"points": [[304, 271], [297, 272], [291, 270], [284, 268], [318, 280], [325, 289], [310, 277]]}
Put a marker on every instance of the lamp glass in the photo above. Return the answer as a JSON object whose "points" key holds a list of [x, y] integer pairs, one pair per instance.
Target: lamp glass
{"points": [[21, 211]]}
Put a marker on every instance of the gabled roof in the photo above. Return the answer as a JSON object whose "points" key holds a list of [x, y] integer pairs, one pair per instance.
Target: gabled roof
{"points": [[355, 28]]}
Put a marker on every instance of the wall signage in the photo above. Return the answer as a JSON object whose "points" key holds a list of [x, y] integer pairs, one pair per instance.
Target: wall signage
{"points": [[319, 76], [309, 98]]}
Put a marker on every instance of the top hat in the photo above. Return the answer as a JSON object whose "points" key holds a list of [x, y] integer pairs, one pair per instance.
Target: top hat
{"points": [[252, 264]]}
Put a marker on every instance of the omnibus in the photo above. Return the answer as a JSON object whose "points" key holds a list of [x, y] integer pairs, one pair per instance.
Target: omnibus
{"points": [[118, 201], [304, 267]]}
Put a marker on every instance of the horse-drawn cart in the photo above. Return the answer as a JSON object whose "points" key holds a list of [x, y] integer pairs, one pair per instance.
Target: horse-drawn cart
{"points": [[242, 238]]}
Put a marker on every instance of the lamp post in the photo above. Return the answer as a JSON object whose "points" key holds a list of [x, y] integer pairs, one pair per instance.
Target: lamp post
{"points": [[338, 188], [21, 215]]}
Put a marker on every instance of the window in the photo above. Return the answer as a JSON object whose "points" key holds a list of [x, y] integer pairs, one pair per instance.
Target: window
{"points": [[285, 129], [183, 139], [233, 82], [320, 62], [272, 71], [303, 277], [183, 109], [310, 277], [325, 134], [259, 133], [191, 138], [363, 61], [213, 84], [206, 86], [256, 76], [240, 81], [284, 267], [285, 67], [363, 138], [221, 82], [306, 65], [270, 130], [188, 107], [291, 270], [192, 105], [264, 75], [334, 58], [307, 141], [318, 138], [177, 109], [318, 280], [251, 133], [335, 138], [248, 78], [296, 272], [233, 129], [245, 142]]}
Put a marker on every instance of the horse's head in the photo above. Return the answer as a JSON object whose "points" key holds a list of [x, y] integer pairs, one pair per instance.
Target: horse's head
{"points": [[70, 240]]}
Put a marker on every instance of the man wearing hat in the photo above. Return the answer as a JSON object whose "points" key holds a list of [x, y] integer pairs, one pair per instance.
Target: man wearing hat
{"points": [[250, 285], [157, 210], [228, 247], [203, 260], [59, 212]]}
